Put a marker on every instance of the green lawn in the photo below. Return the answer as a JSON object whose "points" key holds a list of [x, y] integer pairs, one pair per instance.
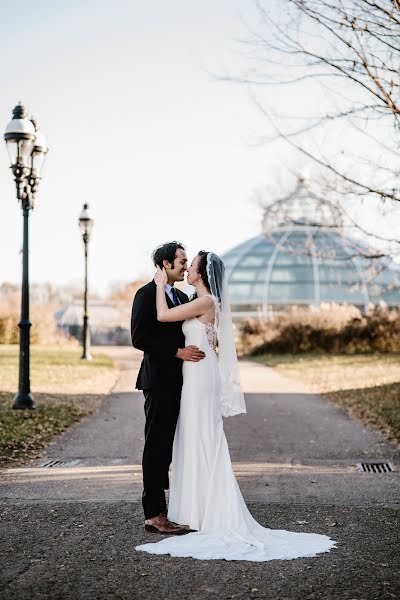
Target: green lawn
{"points": [[367, 386], [65, 389]]}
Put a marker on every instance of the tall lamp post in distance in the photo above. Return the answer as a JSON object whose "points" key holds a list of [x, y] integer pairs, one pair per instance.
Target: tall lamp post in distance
{"points": [[86, 224], [26, 148]]}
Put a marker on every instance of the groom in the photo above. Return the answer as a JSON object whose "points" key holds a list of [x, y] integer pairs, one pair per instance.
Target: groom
{"points": [[160, 378]]}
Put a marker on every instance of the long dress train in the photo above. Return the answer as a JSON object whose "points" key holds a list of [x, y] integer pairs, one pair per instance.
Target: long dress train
{"points": [[204, 492]]}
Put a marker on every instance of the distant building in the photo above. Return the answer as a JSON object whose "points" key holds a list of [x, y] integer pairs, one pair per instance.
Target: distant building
{"points": [[107, 326]]}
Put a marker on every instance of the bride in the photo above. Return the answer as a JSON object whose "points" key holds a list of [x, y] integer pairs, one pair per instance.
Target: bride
{"points": [[204, 492]]}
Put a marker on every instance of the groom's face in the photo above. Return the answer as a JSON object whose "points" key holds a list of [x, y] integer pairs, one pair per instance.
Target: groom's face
{"points": [[176, 270]]}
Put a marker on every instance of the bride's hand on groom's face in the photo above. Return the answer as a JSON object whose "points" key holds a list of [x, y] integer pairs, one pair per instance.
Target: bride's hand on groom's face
{"points": [[160, 278]]}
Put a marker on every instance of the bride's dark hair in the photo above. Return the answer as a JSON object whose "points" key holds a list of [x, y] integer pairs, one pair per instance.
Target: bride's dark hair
{"points": [[202, 271], [218, 270], [202, 268]]}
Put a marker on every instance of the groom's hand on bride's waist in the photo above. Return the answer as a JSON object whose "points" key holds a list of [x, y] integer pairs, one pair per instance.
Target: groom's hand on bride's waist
{"points": [[192, 353]]}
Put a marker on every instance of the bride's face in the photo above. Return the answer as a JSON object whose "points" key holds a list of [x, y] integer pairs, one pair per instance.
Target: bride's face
{"points": [[193, 275]]}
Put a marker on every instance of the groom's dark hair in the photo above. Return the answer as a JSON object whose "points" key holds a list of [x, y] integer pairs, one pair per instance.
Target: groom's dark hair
{"points": [[166, 252]]}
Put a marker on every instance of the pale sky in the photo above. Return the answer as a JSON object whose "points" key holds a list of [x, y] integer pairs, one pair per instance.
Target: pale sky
{"points": [[138, 127]]}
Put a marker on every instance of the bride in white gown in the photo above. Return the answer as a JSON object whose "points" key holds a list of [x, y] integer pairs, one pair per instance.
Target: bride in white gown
{"points": [[204, 493]]}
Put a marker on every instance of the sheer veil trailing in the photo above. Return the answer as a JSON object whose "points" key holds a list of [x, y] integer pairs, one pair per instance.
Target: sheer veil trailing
{"points": [[231, 395]]}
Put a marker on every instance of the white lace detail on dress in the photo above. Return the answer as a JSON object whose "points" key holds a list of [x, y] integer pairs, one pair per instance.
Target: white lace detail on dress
{"points": [[211, 335], [212, 326]]}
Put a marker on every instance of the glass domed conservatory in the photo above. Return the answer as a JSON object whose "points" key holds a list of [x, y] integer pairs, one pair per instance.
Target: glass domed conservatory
{"points": [[305, 265]]}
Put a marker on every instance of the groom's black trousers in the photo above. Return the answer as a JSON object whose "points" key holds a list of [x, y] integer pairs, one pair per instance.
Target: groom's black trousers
{"points": [[161, 409]]}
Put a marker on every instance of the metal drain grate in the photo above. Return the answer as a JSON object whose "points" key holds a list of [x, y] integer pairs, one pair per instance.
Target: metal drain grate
{"points": [[58, 463], [376, 467]]}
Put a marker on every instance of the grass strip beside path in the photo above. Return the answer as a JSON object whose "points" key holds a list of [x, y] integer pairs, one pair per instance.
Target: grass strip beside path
{"points": [[65, 390], [367, 386], [378, 406]]}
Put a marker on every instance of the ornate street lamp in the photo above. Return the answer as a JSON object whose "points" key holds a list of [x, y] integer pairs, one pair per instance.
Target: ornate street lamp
{"points": [[27, 149], [86, 223]]}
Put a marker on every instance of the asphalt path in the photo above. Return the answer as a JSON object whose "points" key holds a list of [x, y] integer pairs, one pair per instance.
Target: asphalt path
{"points": [[70, 532]]}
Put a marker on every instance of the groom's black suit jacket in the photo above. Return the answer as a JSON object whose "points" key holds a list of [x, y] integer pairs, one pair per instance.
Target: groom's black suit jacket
{"points": [[159, 341]]}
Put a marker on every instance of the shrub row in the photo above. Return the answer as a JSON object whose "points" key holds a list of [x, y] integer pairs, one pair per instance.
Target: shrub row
{"points": [[333, 328], [43, 330]]}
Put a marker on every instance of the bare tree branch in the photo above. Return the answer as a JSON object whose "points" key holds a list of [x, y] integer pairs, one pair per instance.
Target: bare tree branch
{"points": [[357, 41]]}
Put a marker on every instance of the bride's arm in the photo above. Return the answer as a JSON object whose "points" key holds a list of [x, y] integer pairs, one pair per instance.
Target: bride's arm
{"points": [[188, 310]]}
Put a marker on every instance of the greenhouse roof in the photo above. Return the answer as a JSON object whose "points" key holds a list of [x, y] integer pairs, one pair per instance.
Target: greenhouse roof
{"points": [[307, 265]]}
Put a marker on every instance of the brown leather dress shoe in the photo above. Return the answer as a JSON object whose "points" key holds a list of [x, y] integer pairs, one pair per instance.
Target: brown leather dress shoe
{"points": [[163, 526], [180, 524]]}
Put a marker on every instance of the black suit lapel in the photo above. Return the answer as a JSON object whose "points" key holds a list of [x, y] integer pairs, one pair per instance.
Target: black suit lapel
{"points": [[182, 297], [169, 301]]}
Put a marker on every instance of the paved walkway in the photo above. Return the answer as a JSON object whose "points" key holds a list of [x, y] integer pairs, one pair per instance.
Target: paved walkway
{"points": [[70, 531]]}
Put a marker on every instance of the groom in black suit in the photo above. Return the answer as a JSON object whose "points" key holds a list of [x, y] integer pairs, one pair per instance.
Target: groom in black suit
{"points": [[160, 378]]}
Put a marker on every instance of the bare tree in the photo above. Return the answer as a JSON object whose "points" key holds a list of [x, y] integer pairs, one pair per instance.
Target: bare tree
{"points": [[121, 295], [352, 48], [123, 292]]}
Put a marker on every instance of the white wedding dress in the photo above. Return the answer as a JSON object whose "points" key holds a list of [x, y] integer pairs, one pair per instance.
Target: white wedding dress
{"points": [[204, 493]]}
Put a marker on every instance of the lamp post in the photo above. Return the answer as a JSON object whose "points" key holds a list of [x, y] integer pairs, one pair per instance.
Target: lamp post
{"points": [[86, 224], [27, 148]]}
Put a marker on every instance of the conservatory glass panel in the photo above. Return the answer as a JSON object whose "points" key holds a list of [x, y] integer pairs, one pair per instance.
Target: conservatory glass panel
{"points": [[392, 297], [242, 276], [240, 291], [254, 260], [344, 276], [335, 293], [282, 292], [289, 259], [298, 273], [257, 293]]}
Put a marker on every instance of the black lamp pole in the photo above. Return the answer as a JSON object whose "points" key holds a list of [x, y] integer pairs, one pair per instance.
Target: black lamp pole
{"points": [[27, 148], [24, 398], [86, 224]]}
